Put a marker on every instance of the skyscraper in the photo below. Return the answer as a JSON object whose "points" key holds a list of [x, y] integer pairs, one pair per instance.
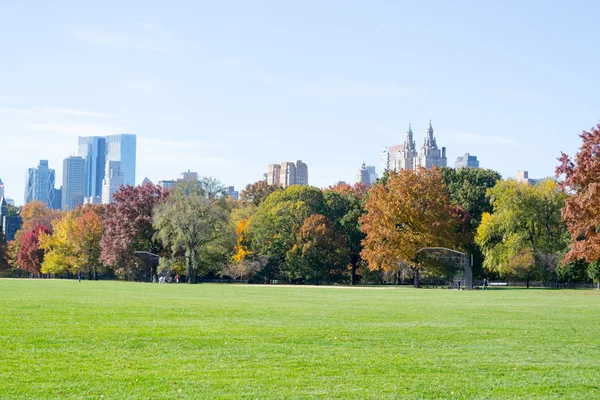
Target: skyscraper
{"points": [[384, 160], [8, 225], [273, 174], [231, 192], [1, 189], [113, 179], [301, 173], [362, 175], [93, 150], [288, 174], [73, 187], [467, 160], [430, 155], [189, 176], [408, 157], [372, 174], [39, 184], [122, 148]]}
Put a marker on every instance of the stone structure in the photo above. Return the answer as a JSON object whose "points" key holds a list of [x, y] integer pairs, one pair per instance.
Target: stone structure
{"points": [[390, 156], [430, 155], [466, 161], [288, 174], [523, 177], [362, 175], [407, 158]]}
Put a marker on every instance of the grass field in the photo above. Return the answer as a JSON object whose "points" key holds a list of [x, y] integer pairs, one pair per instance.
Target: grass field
{"points": [[115, 340]]}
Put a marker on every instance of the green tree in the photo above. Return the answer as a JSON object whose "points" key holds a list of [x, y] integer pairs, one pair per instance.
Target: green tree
{"points": [[191, 221], [345, 208], [525, 229], [594, 272], [273, 228], [468, 190], [4, 257]]}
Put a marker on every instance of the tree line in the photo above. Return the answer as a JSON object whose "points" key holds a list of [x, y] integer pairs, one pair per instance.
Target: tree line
{"points": [[340, 234]]}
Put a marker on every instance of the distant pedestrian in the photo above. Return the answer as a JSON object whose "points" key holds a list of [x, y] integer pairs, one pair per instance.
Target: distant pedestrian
{"points": [[458, 285], [79, 277], [177, 278], [485, 283]]}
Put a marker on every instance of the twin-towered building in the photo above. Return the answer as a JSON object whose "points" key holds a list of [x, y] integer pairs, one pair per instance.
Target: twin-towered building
{"points": [[103, 164], [288, 174], [406, 156], [109, 163]]}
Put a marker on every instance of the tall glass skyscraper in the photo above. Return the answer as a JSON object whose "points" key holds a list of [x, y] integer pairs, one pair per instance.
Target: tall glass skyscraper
{"points": [[122, 148], [93, 150], [39, 184], [73, 187], [98, 151]]}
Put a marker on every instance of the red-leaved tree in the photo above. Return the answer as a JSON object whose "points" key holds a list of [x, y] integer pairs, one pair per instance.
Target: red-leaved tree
{"points": [[128, 228], [581, 211], [30, 256]]}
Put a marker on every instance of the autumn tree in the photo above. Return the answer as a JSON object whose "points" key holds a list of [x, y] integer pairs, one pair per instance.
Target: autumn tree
{"points": [[33, 214], [581, 212], [192, 221], [255, 193], [60, 253], [128, 228], [525, 229], [87, 234], [318, 252], [31, 256], [407, 213]]}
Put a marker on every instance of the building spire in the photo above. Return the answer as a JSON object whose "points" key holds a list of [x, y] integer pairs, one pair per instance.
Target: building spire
{"points": [[430, 138]]}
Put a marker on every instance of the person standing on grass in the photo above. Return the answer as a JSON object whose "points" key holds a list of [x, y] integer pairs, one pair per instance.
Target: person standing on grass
{"points": [[485, 283], [79, 277]]}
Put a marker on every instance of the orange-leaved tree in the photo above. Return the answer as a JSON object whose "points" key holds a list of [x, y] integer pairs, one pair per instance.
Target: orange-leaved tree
{"points": [[410, 211]]}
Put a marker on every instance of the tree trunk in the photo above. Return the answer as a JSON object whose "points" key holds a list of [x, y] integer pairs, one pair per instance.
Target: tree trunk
{"points": [[416, 278], [353, 274], [191, 268], [599, 284]]}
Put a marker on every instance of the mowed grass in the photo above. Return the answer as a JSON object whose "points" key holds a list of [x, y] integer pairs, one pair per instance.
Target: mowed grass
{"points": [[116, 340]]}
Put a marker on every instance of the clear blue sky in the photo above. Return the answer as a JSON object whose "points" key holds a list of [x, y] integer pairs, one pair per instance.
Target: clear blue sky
{"points": [[225, 88]]}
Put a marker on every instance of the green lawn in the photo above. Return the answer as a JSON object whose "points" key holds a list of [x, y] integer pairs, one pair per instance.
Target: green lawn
{"points": [[114, 340]]}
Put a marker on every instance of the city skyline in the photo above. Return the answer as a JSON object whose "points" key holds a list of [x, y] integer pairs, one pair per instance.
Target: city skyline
{"points": [[512, 83]]}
